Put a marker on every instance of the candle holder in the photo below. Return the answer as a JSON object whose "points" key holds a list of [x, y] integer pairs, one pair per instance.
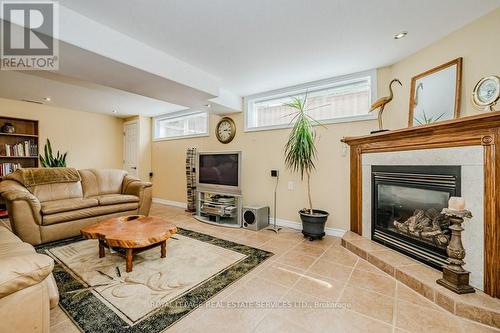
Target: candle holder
{"points": [[455, 277]]}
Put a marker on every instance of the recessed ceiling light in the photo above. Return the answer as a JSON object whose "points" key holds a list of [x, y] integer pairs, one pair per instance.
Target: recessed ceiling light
{"points": [[114, 111], [47, 99], [208, 105], [400, 35]]}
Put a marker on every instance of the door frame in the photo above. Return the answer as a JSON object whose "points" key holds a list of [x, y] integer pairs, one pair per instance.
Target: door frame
{"points": [[125, 123]]}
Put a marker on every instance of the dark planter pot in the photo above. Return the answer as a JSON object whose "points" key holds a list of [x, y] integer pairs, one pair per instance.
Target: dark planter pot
{"points": [[313, 225]]}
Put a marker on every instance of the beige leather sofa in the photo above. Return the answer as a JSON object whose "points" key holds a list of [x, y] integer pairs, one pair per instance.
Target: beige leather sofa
{"points": [[27, 286], [48, 204]]}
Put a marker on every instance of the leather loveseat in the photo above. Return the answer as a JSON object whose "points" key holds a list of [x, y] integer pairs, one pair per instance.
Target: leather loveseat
{"points": [[48, 204], [27, 286]]}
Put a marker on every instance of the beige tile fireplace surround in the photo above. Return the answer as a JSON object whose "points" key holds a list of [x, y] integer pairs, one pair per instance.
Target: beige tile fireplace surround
{"points": [[471, 161]]}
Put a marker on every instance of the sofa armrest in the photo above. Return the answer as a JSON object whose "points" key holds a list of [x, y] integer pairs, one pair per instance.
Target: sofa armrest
{"points": [[23, 271], [13, 191], [134, 186], [141, 189]]}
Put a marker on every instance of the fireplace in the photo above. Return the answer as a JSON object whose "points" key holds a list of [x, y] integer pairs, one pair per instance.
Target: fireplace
{"points": [[407, 204]]}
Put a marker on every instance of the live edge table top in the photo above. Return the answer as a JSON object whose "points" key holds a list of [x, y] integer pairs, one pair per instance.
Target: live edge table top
{"points": [[131, 232]]}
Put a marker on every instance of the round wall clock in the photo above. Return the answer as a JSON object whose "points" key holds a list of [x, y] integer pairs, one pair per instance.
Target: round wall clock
{"points": [[486, 92], [225, 130]]}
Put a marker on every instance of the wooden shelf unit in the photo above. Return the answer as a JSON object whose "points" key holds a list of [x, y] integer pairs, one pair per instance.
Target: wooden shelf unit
{"points": [[19, 135], [26, 130]]}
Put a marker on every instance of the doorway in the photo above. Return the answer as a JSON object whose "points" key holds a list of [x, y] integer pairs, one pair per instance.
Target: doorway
{"points": [[131, 147]]}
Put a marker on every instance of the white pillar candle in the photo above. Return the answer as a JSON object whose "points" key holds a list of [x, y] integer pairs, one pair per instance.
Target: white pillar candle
{"points": [[456, 203]]}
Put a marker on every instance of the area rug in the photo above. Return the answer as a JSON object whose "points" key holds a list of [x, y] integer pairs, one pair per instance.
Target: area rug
{"points": [[99, 296]]}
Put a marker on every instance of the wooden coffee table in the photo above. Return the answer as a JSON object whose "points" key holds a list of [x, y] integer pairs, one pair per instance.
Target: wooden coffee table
{"points": [[129, 235]]}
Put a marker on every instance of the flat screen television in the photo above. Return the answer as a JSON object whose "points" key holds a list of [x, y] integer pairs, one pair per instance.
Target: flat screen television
{"points": [[219, 171]]}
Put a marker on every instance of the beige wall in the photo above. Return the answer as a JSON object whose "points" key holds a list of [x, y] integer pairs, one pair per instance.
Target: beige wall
{"points": [[478, 45], [263, 150], [91, 140]]}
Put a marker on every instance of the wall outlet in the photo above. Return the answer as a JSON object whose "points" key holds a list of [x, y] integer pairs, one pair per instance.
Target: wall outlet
{"points": [[274, 173], [291, 185]]}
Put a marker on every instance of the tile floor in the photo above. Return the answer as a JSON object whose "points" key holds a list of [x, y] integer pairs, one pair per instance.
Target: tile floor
{"points": [[305, 287]]}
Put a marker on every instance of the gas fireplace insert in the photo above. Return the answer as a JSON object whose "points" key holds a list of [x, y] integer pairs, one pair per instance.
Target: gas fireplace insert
{"points": [[407, 203]]}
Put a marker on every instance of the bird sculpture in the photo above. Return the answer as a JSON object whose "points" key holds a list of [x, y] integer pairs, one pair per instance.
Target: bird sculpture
{"points": [[382, 102]]}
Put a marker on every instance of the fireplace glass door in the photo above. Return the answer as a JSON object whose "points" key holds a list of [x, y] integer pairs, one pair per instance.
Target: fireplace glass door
{"points": [[407, 205]]}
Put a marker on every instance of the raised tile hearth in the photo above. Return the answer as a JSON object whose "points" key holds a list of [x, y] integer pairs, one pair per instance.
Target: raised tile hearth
{"points": [[421, 278]]}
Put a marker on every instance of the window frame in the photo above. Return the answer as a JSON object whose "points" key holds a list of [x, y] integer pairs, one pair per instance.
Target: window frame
{"points": [[313, 86], [179, 114]]}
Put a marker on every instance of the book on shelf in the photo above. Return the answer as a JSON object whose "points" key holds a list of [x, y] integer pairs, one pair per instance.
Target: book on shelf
{"points": [[6, 168], [21, 149]]}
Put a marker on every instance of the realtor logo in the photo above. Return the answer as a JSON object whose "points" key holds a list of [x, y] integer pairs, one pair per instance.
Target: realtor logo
{"points": [[29, 35]]}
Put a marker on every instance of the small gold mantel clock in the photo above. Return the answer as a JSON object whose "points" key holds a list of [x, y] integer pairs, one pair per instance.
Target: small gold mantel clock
{"points": [[225, 130], [486, 93]]}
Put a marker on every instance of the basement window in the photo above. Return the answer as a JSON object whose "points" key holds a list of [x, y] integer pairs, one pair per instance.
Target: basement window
{"points": [[341, 99], [168, 127]]}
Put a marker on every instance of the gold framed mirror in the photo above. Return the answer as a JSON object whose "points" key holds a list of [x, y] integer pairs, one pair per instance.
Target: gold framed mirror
{"points": [[435, 94]]}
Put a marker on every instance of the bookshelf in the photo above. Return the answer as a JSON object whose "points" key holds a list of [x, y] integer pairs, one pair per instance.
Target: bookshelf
{"points": [[18, 149]]}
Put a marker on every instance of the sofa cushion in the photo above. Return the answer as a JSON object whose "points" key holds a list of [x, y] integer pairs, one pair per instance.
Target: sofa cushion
{"points": [[102, 181], [87, 212], [110, 180], [15, 249], [58, 206], [89, 183], [20, 272], [113, 199], [7, 236], [58, 191]]}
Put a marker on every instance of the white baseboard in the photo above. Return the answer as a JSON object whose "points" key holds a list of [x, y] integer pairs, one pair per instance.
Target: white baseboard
{"points": [[170, 203], [298, 226], [280, 222]]}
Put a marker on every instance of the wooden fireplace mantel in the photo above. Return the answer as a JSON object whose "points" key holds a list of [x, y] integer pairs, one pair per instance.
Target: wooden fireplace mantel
{"points": [[484, 130]]}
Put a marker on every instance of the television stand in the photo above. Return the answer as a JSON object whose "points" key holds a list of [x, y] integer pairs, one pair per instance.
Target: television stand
{"points": [[219, 208]]}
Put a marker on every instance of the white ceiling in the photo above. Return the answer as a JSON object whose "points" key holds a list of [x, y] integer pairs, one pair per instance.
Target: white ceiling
{"points": [[87, 66], [259, 45], [80, 95], [111, 71], [159, 56]]}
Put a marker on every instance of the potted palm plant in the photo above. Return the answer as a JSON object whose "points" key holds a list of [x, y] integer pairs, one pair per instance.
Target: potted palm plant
{"points": [[300, 153]]}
